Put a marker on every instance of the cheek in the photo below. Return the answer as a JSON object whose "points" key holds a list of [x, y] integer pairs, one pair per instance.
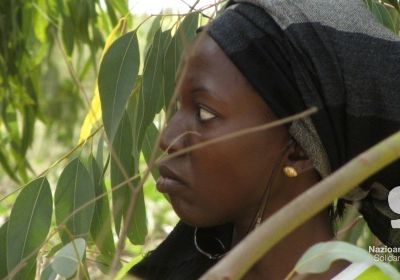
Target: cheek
{"points": [[230, 177]]}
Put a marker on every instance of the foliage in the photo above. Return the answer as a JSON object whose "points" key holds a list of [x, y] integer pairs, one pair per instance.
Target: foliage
{"points": [[319, 258], [99, 196]]}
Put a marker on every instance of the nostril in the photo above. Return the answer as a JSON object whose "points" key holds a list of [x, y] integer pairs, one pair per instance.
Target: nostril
{"points": [[179, 142]]}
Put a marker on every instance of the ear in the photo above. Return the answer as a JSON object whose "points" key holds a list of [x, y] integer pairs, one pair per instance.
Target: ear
{"points": [[298, 159]]}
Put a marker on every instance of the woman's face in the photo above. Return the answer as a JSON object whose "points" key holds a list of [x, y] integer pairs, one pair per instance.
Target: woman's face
{"points": [[222, 182]]}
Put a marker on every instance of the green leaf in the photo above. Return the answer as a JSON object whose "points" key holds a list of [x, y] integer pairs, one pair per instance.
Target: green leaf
{"points": [[152, 87], [135, 112], [118, 71], [382, 14], [101, 223], [28, 226], [104, 263], [3, 250], [54, 250], [74, 189], [68, 34], [66, 261], [125, 269], [138, 225], [148, 148], [40, 22], [319, 257], [184, 34], [48, 273], [373, 273], [122, 168]]}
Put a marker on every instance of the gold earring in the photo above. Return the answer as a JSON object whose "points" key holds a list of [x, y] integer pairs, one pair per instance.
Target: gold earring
{"points": [[290, 171]]}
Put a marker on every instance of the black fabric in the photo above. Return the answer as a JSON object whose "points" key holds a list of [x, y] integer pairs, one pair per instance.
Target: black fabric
{"points": [[177, 258], [353, 78]]}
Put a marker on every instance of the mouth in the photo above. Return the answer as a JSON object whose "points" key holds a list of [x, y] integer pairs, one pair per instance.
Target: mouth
{"points": [[169, 181]]}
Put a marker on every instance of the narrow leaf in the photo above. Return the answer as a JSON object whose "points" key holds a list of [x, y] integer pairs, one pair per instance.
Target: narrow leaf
{"points": [[117, 76], [152, 87], [101, 223], [67, 260], [149, 146], [74, 189], [122, 168], [94, 114], [138, 225], [68, 34], [184, 34], [28, 226]]}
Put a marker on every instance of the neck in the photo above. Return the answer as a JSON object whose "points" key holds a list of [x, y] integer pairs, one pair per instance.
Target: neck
{"points": [[281, 259]]}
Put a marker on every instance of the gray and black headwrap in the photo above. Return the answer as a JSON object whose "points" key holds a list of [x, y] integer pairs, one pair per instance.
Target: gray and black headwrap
{"points": [[332, 55]]}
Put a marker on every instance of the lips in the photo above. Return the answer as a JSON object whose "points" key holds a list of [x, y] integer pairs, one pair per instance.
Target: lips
{"points": [[170, 181]]}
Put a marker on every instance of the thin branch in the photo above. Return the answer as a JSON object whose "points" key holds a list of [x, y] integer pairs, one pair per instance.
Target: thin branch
{"points": [[302, 208]]}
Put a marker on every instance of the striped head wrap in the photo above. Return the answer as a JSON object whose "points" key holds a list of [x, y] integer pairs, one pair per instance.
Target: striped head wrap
{"points": [[332, 55]]}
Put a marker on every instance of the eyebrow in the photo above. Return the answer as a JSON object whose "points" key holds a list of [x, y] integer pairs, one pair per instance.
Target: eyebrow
{"points": [[208, 93]]}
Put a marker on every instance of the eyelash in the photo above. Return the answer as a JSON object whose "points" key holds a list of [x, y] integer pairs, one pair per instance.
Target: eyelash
{"points": [[200, 108]]}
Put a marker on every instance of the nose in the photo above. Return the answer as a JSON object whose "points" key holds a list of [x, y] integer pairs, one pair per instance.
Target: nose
{"points": [[173, 136]]}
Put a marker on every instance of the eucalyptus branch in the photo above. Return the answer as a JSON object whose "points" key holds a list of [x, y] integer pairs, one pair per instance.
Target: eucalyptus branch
{"points": [[302, 208], [65, 156]]}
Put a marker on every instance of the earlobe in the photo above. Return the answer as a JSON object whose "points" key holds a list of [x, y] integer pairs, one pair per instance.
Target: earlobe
{"points": [[296, 162]]}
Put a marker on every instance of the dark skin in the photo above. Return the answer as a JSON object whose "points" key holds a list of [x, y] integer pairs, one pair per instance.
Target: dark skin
{"points": [[225, 182]]}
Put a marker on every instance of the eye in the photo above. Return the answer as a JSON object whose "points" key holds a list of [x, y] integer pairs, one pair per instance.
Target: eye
{"points": [[204, 114]]}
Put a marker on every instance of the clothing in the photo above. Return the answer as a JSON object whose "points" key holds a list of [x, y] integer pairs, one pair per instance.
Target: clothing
{"points": [[332, 55], [177, 257]]}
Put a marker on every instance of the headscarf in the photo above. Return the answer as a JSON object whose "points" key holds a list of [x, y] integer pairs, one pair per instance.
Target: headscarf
{"points": [[332, 55]]}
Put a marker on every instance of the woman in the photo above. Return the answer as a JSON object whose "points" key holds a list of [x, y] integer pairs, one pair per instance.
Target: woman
{"points": [[261, 60]]}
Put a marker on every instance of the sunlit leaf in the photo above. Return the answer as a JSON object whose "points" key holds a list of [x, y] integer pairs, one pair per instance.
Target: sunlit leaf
{"points": [[74, 190], [319, 258], [28, 226], [101, 223], [373, 273], [117, 77], [40, 22], [94, 113], [67, 260]]}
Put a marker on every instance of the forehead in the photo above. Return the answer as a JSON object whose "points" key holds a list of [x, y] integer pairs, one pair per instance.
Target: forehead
{"points": [[205, 58]]}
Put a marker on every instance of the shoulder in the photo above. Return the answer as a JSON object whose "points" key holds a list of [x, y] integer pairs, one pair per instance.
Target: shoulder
{"points": [[175, 258]]}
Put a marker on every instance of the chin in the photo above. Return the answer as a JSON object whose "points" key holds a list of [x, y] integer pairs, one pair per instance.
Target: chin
{"points": [[195, 216]]}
